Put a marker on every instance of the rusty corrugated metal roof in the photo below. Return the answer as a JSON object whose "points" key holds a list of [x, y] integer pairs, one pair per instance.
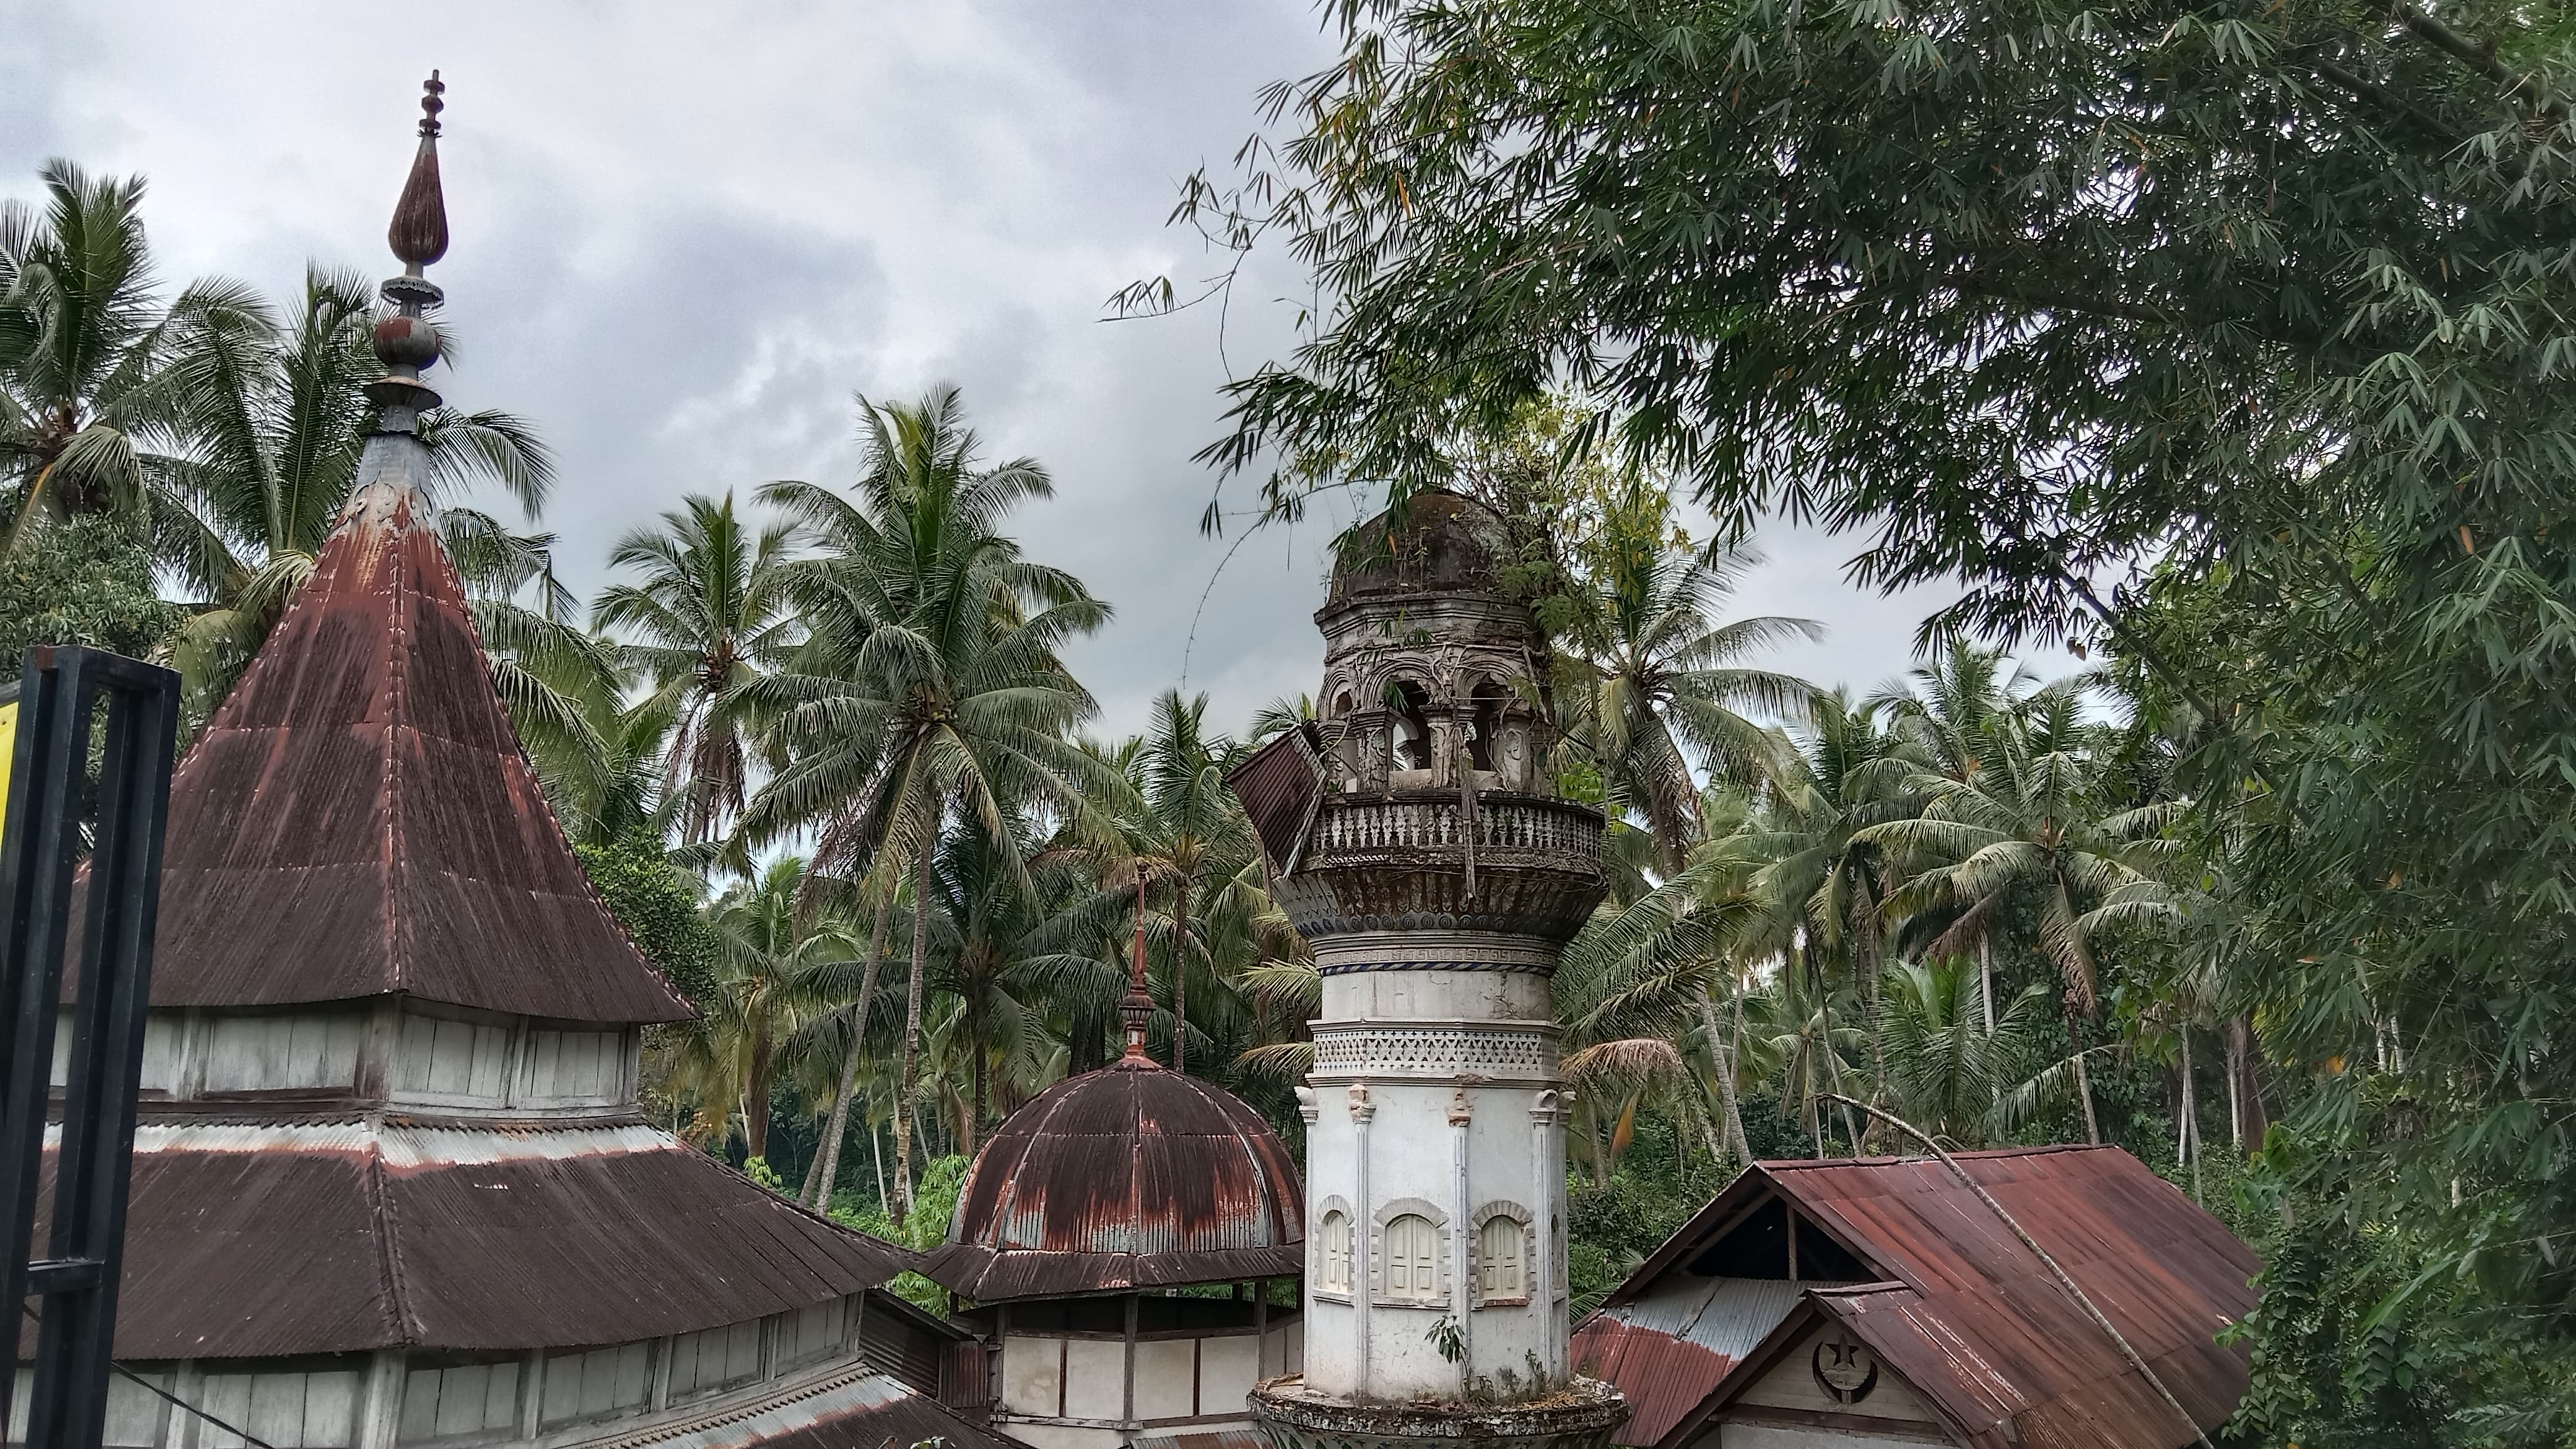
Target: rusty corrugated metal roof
{"points": [[1243, 1438], [1972, 1318], [855, 1410], [359, 820], [1280, 786], [1668, 1347], [248, 1242], [1126, 1177]]}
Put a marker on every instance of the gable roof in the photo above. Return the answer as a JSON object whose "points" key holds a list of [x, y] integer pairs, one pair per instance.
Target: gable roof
{"points": [[1970, 1316], [358, 819]]}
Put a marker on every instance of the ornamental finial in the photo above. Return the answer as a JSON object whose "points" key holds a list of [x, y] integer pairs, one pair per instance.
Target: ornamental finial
{"points": [[1137, 1010], [406, 342], [419, 232]]}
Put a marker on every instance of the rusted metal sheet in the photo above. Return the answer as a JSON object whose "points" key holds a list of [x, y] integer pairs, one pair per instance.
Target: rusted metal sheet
{"points": [[1667, 1348], [1127, 1177], [1280, 787], [250, 1250], [1970, 1316], [1244, 1438], [358, 818], [1663, 1377], [860, 1411], [903, 1340]]}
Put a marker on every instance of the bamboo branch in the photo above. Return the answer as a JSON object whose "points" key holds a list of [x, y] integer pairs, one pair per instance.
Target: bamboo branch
{"points": [[2477, 55]]}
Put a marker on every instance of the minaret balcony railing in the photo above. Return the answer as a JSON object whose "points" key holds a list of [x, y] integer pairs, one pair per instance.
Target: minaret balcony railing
{"points": [[1556, 832]]}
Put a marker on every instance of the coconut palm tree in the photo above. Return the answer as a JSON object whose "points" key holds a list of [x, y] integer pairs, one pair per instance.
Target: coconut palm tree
{"points": [[1187, 838], [2027, 824], [706, 617], [1945, 1072], [1942, 708], [1281, 715], [1657, 679], [1944, 703], [99, 382], [774, 950], [1800, 1047], [999, 953], [1658, 967], [929, 686], [1825, 887]]}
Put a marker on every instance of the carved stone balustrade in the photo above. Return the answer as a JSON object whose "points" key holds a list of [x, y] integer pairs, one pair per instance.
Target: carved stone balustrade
{"points": [[1401, 863]]}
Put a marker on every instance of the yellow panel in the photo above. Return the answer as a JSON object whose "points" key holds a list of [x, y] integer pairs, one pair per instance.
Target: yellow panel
{"points": [[8, 754]]}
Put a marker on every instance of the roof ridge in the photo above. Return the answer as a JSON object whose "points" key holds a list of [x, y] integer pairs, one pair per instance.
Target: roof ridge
{"points": [[397, 702], [406, 1324]]}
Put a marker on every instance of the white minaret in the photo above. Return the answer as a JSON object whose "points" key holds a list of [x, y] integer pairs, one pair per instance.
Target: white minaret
{"points": [[1438, 880]]}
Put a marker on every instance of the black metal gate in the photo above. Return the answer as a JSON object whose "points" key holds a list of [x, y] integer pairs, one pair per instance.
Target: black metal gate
{"points": [[52, 798]]}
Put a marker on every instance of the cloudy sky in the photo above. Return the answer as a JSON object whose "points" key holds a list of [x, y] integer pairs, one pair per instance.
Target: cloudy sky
{"points": [[686, 234]]}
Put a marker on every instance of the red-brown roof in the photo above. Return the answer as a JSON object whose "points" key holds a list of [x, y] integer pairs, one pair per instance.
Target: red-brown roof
{"points": [[1967, 1313], [258, 1241], [359, 820], [1662, 1375], [1126, 1177], [872, 1411]]}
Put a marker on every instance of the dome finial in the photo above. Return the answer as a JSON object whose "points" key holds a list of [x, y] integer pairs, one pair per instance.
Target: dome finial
{"points": [[406, 342], [1137, 1009]]}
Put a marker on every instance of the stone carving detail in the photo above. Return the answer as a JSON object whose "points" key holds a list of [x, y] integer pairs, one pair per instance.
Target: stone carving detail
{"points": [[1444, 1052]]}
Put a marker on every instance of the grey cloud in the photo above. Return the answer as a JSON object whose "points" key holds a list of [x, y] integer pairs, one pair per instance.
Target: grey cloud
{"points": [[684, 239]]}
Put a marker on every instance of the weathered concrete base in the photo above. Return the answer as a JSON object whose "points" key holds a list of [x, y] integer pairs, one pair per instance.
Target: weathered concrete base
{"points": [[1582, 1415]]}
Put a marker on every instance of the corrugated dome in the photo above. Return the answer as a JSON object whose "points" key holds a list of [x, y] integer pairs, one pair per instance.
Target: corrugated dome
{"points": [[1446, 543], [1127, 1177]]}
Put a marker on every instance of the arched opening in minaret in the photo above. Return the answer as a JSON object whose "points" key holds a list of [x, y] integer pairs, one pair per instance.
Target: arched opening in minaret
{"points": [[1485, 722], [1410, 701]]}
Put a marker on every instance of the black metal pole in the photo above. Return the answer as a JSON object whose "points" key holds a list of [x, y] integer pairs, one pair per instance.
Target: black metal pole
{"points": [[39, 854]]}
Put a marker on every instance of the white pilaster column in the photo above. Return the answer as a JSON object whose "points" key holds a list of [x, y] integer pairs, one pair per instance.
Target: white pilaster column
{"points": [[1363, 1230], [1546, 1180], [1559, 1331], [1462, 1282]]}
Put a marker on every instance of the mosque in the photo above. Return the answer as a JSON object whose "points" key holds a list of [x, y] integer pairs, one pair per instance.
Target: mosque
{"points": [[393, 1188]]}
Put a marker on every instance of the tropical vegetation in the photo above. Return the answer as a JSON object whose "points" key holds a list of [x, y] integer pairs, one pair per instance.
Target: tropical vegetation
{"points": [[2223, 346]]}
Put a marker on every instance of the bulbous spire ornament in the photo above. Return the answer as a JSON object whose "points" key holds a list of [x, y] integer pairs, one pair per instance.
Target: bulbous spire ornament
{"points": [[407, 342], [1136, 1008]]}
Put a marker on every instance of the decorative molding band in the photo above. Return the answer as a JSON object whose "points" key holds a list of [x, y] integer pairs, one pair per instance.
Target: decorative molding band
{"points": [[1441, 1053], [1530, 968], [1432, 949]]}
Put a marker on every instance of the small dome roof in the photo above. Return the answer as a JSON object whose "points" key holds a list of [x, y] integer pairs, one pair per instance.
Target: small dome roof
{"points": [[1126, 1177], [1448, 544]]}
